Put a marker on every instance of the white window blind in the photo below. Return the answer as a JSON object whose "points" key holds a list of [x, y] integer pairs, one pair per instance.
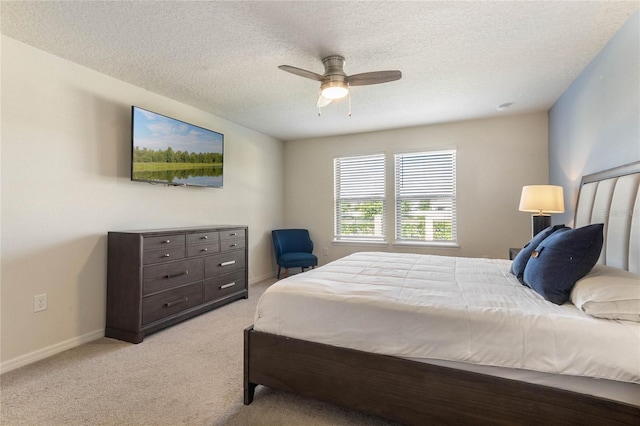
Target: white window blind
{"points": [[360, 198], [426, 196]]}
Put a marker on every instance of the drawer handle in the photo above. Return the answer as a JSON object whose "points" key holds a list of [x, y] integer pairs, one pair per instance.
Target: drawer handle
{"points": [[175, 302], [233, 234], [166, 255], [177, 275], [206, 237], [166, 241], [205, 249], [231, 262], [222, 287], [233, 245]]}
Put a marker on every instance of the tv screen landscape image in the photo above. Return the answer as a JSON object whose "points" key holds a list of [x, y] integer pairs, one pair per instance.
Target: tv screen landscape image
{"points": [[169, 151]]}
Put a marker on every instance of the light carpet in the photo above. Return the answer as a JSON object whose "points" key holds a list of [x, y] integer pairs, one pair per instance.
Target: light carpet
{"points": [[190, 373]]}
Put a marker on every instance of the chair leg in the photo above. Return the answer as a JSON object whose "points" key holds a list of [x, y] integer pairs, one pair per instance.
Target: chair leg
{"points": [[286, 272], [278, 271]]}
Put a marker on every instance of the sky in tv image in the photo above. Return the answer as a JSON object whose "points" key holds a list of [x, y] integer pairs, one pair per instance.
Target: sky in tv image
{"points": [[157, 132]]}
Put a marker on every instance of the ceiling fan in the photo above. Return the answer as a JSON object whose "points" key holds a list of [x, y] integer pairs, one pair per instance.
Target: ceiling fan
{"points": [[335, 83]]}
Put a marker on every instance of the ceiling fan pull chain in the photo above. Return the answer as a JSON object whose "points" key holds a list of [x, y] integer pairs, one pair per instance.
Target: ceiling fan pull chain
{"points": [[349, 89]]}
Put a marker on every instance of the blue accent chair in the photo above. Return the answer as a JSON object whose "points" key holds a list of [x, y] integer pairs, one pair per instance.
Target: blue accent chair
{"points": [[293, 249]]}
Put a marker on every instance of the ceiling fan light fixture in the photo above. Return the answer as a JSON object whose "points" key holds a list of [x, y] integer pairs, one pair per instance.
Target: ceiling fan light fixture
{"points": [[336, 84], [334, 89]]}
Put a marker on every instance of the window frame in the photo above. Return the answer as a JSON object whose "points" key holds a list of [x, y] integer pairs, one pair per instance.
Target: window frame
{"points": [[378, 193], [420, 196]]}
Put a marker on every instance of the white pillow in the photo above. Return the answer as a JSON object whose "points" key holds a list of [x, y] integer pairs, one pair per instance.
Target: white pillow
{"points": [[607, 292]]}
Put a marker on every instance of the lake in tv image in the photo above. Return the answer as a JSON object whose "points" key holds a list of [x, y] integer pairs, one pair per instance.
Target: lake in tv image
{"points": [[166, 150]]}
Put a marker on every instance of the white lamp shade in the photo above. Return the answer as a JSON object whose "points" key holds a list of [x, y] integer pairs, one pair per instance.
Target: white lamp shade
{"points": [[334, 89], [542, 199]]}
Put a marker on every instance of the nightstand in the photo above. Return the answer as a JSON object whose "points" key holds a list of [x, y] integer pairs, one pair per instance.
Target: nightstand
{"points": [[513, 252]]}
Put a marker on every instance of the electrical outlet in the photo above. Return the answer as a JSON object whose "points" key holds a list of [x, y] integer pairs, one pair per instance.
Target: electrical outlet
{"points": [[39, 302]]}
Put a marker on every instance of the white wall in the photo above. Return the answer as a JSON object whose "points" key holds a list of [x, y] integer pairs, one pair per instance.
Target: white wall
{"points": [[65, 184], [495, 158], [595, 124]]}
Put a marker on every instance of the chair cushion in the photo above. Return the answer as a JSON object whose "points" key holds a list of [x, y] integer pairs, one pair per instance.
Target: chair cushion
{"points": [[291, 240], [297, 259]]}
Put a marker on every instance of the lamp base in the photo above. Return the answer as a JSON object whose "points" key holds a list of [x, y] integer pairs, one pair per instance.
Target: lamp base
{"points": [[539, 222]]}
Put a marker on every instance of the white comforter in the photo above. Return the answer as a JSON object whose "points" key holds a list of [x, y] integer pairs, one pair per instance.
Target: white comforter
{"points": [[457, 309]]}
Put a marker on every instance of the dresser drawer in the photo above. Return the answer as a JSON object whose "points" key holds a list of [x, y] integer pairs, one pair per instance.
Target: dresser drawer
{"points": [[164, 242], [218, 287], [203, 249], [203, 238], [232, 244], [161, 256], [163, 277], [162, 305], [232, 234], [224, 263]]}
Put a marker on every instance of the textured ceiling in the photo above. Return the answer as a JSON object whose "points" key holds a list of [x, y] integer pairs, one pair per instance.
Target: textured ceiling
{"points": [[459, 59]]}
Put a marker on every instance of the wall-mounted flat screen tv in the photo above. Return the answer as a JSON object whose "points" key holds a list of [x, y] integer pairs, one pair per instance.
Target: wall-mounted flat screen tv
{"points": [[171, 152]]}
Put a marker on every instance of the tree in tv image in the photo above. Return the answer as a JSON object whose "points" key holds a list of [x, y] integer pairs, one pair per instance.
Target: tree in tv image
{"points": [[167, 150]]}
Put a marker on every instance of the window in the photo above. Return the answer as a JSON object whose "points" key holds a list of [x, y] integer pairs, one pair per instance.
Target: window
{"points": [[360, 198], [426, 197]]}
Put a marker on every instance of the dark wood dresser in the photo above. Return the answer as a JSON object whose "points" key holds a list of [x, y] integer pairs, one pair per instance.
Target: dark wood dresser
{"points": [[156, 278]]}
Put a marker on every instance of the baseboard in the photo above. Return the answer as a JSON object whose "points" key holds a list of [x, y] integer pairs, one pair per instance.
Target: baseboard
{"points": [[76, 341], [49, 351], [262, 277]]}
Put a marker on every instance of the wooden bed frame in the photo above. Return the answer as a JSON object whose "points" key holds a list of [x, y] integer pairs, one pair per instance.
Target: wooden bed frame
{"points": [[417, 393]]}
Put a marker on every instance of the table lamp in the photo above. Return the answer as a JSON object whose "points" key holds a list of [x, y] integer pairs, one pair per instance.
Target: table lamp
{"points": [[541, 199]]}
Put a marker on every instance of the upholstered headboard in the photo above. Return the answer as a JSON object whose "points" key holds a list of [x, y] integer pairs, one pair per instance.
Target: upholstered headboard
{"points": [[612, 197]]}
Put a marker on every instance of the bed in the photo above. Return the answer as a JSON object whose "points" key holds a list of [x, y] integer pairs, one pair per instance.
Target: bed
{"points": [[501, 353]]}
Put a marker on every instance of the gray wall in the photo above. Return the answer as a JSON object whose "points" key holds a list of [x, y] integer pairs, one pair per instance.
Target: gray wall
{"points": [[595, 125], [495, 158], [66, 146]]}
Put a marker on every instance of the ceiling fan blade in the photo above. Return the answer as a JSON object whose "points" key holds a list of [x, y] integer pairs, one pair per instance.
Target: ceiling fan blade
{"points": [[301, 72], [374, 77], [323, 102]]}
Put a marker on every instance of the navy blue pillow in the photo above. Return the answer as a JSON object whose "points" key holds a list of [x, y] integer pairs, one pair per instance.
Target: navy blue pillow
{"points": [[520, 262], [562, 259]]}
